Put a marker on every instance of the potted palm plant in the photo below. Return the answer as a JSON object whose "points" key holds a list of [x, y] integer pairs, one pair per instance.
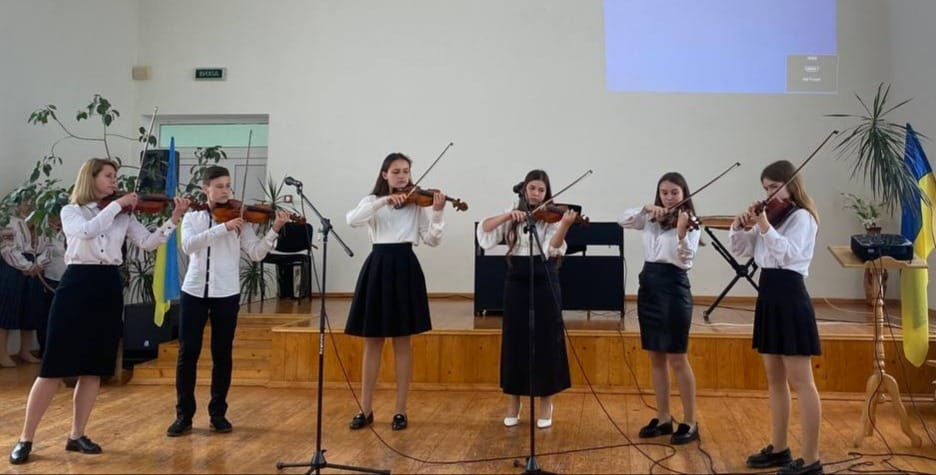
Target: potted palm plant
{"points": [[876, 146]]}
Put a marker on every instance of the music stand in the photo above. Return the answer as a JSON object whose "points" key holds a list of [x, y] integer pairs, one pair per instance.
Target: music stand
{"points": [[742, 271], [879, 380]]}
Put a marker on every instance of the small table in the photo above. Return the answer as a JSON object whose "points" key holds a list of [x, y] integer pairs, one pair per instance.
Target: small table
{"points": [[742, 271], [879, 379]]}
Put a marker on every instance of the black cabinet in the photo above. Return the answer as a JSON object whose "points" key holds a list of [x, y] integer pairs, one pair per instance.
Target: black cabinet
{"points": [[589, 282]]}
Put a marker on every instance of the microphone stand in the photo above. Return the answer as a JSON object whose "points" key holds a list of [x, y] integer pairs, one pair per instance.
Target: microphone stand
{"points": [[318, 461], [532, 466]]}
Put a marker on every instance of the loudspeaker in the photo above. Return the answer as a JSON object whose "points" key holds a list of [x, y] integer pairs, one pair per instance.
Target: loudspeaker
{"points": [[154, 168]]}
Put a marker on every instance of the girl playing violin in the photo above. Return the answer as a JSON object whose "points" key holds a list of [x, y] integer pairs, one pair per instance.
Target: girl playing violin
{"points": [[211, 290], [85, 322], [551, 366], [664, 301], [390, 296], [785, 332]]}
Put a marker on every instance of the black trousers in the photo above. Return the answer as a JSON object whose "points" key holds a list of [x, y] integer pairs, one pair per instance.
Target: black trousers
{"points": [[195, 313]]}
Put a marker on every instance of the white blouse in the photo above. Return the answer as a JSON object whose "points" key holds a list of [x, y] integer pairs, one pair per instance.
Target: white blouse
{"points": [[199, 233], [94, 235], [52, 255], [788, 247], [662, 245], [388, 225], [544, 230]]}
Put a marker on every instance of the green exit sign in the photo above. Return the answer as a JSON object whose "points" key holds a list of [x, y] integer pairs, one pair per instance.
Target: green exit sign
{"points": [[210, 74]]}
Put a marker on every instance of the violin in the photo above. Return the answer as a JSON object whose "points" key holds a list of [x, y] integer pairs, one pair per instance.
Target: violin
{"points": [[423, 197], [152, 203], [671, 218], [554, 213], [777, 210], [257, 214]]}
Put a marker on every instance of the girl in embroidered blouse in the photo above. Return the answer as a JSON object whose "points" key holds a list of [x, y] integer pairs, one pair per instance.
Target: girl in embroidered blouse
{"points": [[664, 301], [390, 297], [85, 321], [785, 332], [18, 272], [551, 364]]}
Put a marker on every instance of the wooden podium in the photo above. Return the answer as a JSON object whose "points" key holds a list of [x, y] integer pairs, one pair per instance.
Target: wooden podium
{"points": [[879, 381]]}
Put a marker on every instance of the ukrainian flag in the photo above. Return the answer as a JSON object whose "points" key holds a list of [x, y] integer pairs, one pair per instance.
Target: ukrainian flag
{"points": [[917, 226], [166, 276]]}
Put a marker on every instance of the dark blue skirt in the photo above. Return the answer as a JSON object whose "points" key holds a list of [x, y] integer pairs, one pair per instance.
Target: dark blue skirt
{"points": [[390, 296], [664, 308], [784, 319], [12, 287], [85, 323]]}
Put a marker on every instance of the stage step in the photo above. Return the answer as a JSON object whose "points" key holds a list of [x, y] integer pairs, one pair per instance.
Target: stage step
{"points": [[252, 350]]}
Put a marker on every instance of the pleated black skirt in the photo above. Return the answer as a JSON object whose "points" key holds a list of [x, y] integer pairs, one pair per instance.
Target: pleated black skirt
{"points": [[390, 295], [784, 319], [85, 323], [12, 287], [551, 363], [664, 308]]}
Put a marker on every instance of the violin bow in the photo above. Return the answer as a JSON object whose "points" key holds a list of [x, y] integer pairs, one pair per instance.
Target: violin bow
{"points": [[246, 172], [146, 141], [713, 180], [796, 172], [556, 195], [430, 168]]}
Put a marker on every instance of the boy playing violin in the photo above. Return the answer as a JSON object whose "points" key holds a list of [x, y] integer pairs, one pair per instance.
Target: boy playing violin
{"points": [[211, 290]]}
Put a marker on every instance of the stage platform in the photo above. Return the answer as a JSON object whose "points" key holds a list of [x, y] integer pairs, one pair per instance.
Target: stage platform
{"points": [[277, 346]]}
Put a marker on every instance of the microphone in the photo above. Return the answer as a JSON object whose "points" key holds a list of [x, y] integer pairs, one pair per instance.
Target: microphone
{"points": [[292, 181]]}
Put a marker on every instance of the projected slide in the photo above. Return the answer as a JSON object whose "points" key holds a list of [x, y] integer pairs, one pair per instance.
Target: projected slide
{"points": [[721, 46]]}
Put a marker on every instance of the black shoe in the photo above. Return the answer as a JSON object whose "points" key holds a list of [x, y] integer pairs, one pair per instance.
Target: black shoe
{"points": [[799, 467], [685, 434], [768, 458], [360, 422], [220, 424], [20, 452], [181, 426], [82, 444], [655, 429], [399, 422]]}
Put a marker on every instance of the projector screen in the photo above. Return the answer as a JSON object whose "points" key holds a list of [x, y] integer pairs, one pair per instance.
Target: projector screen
{"points": [[721, 46]]}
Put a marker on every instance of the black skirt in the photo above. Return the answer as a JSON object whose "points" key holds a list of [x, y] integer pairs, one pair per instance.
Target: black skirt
{"points": [[551, 364], [85, 323], [664, 308], [390, 295], [12, 293], [784, 320]]}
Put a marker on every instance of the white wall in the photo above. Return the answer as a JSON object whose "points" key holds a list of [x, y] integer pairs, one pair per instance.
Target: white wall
{"points": [[516, 85], [62, 53]]}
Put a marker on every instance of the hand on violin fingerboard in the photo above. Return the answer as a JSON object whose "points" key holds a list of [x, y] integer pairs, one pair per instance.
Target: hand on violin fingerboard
{"points": [[438, 201], [234, 225], [181, 206], [569, 218], [282, 218]]}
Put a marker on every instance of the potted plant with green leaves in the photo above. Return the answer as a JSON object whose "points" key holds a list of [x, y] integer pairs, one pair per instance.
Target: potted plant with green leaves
{"points": [[867, 212], [876, 146]]}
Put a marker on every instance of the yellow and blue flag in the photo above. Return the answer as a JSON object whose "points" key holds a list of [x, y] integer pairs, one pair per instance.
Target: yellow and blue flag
{"points": [[917, 226], [166, 276]]}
